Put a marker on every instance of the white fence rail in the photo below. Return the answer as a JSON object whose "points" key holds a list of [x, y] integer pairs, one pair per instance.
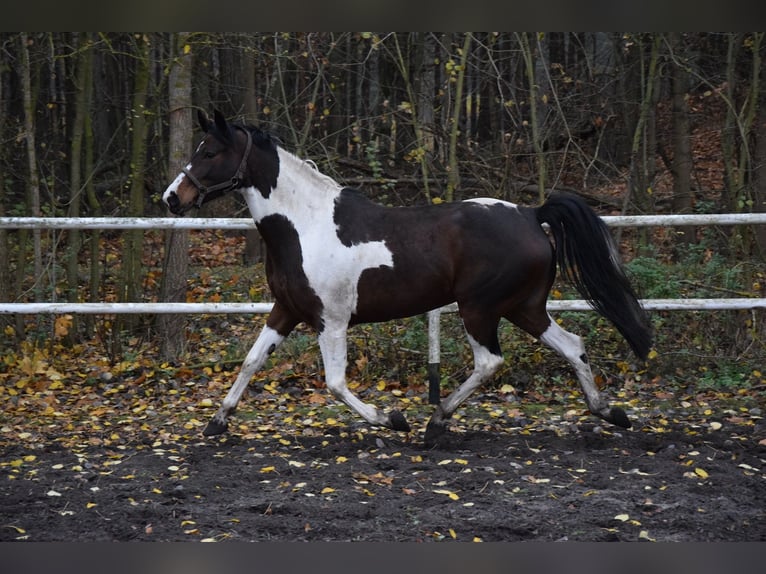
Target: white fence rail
{"points": [[434, 346], [246, 223]]}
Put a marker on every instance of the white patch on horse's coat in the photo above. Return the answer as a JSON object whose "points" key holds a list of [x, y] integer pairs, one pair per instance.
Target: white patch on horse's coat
{"points": [[333, 269], [489, 202]]}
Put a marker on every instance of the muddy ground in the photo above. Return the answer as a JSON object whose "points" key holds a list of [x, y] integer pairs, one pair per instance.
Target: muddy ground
{"points": [[686, 476]]}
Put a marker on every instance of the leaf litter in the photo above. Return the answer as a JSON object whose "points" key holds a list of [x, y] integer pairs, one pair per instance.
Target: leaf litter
{"points": [[98, 451]]}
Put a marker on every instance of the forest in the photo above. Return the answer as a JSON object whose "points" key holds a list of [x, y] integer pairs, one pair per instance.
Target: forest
{"points": [[99, 123], [102, 416]]}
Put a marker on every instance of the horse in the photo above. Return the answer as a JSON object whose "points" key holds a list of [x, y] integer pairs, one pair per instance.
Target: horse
{"points": [[335, 259]]}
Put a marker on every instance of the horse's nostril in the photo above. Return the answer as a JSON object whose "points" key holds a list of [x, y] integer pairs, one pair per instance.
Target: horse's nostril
{"points": [[174, 204]]}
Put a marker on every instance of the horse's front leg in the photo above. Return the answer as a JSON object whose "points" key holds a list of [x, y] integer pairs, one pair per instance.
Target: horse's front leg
{"points": [[332, 343], [278, 326]]}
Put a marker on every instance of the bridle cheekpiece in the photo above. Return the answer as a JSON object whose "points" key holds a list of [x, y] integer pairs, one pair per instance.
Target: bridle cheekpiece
{"points": [[231, 184]]}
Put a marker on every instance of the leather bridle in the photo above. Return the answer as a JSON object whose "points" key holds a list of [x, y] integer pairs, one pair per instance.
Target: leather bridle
{"points": [[224, 186]]}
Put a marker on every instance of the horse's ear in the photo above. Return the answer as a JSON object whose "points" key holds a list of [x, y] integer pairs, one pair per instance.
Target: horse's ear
{"points": [[221, 123], [203, 120]]}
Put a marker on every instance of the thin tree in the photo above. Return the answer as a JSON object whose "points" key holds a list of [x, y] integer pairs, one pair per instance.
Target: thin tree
{"points": [[172, 328], [131, 262], [33, 183], [82, 100], [681, 166]]}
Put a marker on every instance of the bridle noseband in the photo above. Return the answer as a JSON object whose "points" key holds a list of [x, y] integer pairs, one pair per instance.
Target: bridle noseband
{"points": [[224, 186]]}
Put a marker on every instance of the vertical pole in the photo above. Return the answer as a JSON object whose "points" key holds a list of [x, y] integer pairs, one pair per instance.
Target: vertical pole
{"points": [[434, 352]]}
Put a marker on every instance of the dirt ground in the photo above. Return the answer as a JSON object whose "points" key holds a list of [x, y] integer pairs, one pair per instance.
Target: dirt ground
{"points": [[675, 477]]}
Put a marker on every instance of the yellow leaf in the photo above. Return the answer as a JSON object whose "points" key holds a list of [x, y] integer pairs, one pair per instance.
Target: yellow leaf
{"points": [[416, 458], [90, 505], [449, 493], [61, 325], [452, 534], [622, 517], [381, 385], [266, 469], [187, 48], [340, 459], [327, 490], [701, 473], [477, 539]]}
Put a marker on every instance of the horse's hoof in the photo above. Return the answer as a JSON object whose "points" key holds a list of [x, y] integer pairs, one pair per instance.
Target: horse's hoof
{"points": [[618, 417], [215, 427], [435, 431], [398, 422]]}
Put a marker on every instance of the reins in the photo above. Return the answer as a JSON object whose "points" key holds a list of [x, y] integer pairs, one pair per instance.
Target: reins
{"points": [[224, 186]]}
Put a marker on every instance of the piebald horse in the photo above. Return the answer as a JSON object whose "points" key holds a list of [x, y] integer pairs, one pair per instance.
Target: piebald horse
{"points": [[335, 259]]}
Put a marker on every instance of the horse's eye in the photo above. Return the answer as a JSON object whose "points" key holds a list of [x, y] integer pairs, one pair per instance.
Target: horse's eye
{"points": [[209, 154]]}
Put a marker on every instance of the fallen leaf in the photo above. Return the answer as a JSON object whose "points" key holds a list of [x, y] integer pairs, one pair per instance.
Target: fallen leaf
{"points": [[449, 493]]}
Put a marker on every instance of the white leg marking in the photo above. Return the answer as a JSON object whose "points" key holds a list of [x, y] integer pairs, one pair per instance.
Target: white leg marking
{"points": [[485, 365], [267, 341], [571, 347], [332, 342]]}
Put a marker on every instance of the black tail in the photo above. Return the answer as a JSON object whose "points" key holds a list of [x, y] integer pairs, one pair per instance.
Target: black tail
{"points": [[587, 256]]}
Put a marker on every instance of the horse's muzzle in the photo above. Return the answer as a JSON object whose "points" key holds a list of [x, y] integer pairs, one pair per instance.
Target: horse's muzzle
{"points": [[174, 204]]}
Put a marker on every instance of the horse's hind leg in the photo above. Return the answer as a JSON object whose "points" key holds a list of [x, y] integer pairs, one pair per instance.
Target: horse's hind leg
{"points": [[482, 335], [278, 326], [571, 347]]}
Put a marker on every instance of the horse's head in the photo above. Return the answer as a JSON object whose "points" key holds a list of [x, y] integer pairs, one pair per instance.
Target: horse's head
{"points": [[223, 161]]}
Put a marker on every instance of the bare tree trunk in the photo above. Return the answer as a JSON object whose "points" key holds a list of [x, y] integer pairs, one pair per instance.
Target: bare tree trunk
{"points": [[172, 328], [759, 176], [453, 170], [131, 262], [637, 173], [728, 137], [254, 247], [402, 63], [33, 184], [529, 64], [82, 99], [425, 88], [682, 152], [5, 278]]}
